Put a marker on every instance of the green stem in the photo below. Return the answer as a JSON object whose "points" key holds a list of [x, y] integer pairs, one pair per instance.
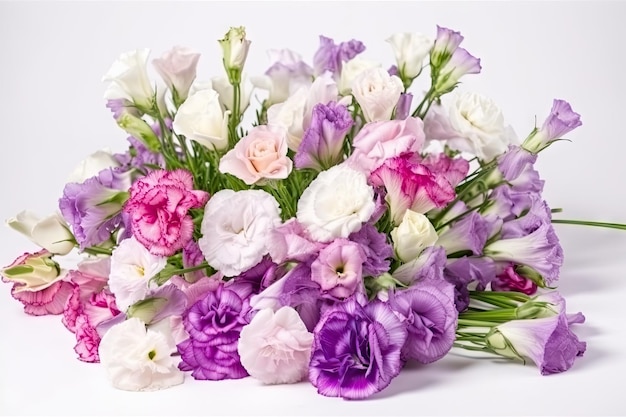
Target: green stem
{"points": [[618, 226], [94, 250]]}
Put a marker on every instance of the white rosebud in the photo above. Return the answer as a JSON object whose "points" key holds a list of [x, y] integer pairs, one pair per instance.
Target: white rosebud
{"points": [[200, 118], [410, 50], [51, 233], [377, 93], [414, 233], [235, 48]]}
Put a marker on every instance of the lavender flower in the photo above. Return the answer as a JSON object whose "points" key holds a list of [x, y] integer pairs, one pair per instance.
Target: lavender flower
{"points": [[377, 250], [93, 208], [468, 234], [339, 269], [463, 271], [548, 342], [446, 43], [403, 108], [213, 324], [430, 316], [322, 143], [539, 250], [562, 120], [140, 157], [330, 56], [356, 349]]}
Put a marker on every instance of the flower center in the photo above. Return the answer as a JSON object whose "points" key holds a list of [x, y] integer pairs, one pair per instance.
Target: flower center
{"points": [[152, 354]]}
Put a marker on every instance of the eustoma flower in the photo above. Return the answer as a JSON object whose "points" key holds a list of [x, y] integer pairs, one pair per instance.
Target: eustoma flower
{"points": [[356, 349], [562, 120], [51, 232], [158, 208], [177, 67]]}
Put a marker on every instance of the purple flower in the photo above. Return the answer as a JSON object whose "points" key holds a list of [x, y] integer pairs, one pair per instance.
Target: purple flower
{"points": [[93, 208], [536, 213], [539, 250], [548, 342], [460, 64], [562, 120], [376, 248], [322, 143], [462, 271], [356, 349], [427, 268], [446, 43], [213, 324], [468, 234], [403, 108], [430, 316], [140, 157], [330, 57]]}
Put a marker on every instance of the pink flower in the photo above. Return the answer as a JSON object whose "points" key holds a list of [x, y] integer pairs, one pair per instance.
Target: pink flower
{"points": [[275, 348], [260, 155], [339, 268], [376, 142], [177, 67], [411, 185], [90, 278], [289, 242], [158, 207], [38, 283], [87, 340]]}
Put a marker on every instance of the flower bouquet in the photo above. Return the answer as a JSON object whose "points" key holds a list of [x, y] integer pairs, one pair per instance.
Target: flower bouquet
{"points": [[318, 222]]}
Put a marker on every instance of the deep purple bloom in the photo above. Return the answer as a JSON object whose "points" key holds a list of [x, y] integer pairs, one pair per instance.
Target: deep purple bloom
{"points": [[93, 208], [510, 280], [330, 57], [213, 324], [356, 349], [376, 248], [430, 316], [322, 143]]}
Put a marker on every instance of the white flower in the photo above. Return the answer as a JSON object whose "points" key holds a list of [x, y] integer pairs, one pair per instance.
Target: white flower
{"points": [[471, 123], [177, 67], [410, 50], [51, 233], [129, 78], [132, 266], [414, 233], [290, 115], [236, 229], [336, 203], [92, 165], [225, 90], [275, 348], [353, 69], [377, 93], [137, 359], [200, 118]]}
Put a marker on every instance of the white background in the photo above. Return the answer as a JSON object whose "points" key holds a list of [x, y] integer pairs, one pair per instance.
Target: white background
{"points": [[53, 56]]}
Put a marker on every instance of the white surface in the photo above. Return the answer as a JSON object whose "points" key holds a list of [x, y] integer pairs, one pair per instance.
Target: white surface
{"points": [[54, 54]]}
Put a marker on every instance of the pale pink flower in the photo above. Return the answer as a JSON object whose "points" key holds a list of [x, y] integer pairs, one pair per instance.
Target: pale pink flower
{"points": [[177, 67], [258, 156], [290, 242], [158, 207], [275, 348], [376, 142], [339, 268]]}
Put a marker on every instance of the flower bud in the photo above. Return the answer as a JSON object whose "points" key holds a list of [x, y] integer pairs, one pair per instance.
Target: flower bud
{"points": [[414, 233], [235, 49]]}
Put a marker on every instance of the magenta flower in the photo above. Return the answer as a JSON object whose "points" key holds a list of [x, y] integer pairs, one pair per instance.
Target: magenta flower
{"points": [[356, 349], [213, 324], [510, 280], [430, 316], [452, 169], [322, 143], [158, 207], [411, 185], [99, 308], [339, 268], [562, 120]]}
